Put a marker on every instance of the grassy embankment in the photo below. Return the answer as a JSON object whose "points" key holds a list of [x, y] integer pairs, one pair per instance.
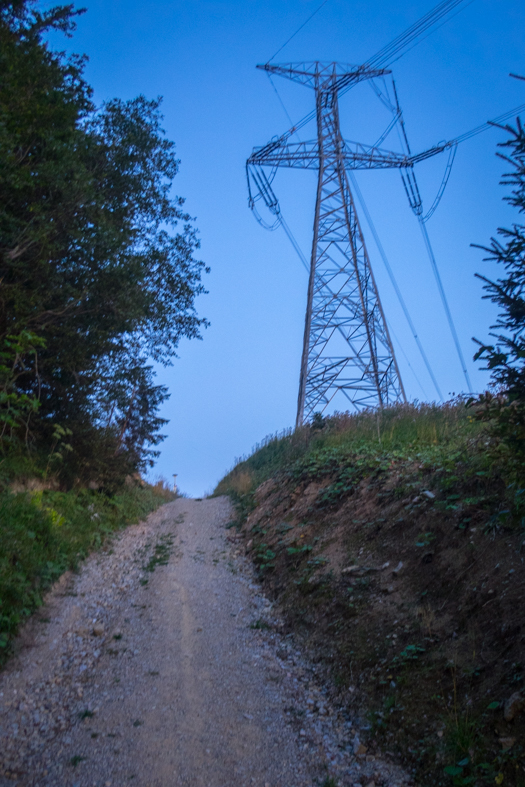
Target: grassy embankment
{"points": [[44, 533], [393, 545]]}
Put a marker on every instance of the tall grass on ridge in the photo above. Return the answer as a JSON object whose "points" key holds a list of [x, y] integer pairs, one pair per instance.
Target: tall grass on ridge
{"points": [[400, 428]]}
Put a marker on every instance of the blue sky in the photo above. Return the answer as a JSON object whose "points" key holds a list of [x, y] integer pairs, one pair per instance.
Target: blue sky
{"points": [[240, 383]]}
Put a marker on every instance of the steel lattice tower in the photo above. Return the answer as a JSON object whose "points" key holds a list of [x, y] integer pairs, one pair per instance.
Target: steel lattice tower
{"points": [[347, 346]]}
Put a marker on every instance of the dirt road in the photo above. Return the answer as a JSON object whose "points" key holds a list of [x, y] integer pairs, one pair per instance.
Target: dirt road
{"points": [[155, 667]]}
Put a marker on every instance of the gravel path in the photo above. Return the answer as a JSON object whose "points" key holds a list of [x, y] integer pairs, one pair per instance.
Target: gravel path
{"points": [[161, 664]]}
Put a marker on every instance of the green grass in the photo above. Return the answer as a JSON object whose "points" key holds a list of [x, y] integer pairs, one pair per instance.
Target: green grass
{"points": [[42, 534], [435, 434]]}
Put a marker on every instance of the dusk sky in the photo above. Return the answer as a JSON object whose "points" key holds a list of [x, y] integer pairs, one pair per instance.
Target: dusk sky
{"points": [[240, 383]]}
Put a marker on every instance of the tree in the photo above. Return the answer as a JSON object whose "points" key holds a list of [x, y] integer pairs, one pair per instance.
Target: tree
{"points": [[96, 255], [505, 358]]}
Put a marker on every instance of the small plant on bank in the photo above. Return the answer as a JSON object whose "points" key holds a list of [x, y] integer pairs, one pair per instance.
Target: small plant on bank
{"points": [[259, 624]]}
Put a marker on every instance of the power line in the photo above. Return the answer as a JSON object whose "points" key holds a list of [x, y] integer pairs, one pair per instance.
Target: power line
{"points": [[398, 47], [294, 243], [441, 190], [306, 266], [405, 356], [298, 30], [490, 123], [272, 154], [415, 202], [395, 49], [279, 98], [393, 280], [444, 301]]}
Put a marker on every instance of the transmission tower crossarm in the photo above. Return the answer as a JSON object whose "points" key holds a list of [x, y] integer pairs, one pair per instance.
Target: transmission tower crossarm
{"points": [[314, 74], [354, 155], [302, 155]]}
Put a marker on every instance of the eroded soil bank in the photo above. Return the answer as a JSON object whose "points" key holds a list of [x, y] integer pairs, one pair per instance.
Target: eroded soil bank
{"points": [[408, 593], [163, 664]]}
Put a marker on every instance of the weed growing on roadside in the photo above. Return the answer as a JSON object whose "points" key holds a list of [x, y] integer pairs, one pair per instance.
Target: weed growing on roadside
{"points": [[43, 534], [259, 624], [161, 553], [329, 782]]}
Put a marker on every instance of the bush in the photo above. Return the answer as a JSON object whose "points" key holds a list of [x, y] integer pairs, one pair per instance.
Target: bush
{"points": [[43, 534]]}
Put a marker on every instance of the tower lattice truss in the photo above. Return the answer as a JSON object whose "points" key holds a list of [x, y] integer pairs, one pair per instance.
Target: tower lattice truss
{"points": [[347, 346]]}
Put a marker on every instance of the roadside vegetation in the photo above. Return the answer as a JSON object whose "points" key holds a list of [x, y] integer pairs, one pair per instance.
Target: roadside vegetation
{"points": [[98, 280], [44, 533], [393, 542], [98, 275]]}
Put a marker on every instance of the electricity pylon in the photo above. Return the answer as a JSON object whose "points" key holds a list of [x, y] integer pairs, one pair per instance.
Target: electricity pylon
{"points": [[347, 346]]}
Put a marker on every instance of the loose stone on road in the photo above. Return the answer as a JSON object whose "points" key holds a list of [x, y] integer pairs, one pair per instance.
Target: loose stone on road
{"points": [[145, 669]]}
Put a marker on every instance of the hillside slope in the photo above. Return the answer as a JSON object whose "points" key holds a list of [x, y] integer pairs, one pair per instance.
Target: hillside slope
{"points": [[394, 547]]}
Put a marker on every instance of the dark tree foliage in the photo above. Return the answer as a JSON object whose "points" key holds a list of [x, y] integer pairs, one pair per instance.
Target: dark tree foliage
{"points": [[90, 261], [506, 356]]}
